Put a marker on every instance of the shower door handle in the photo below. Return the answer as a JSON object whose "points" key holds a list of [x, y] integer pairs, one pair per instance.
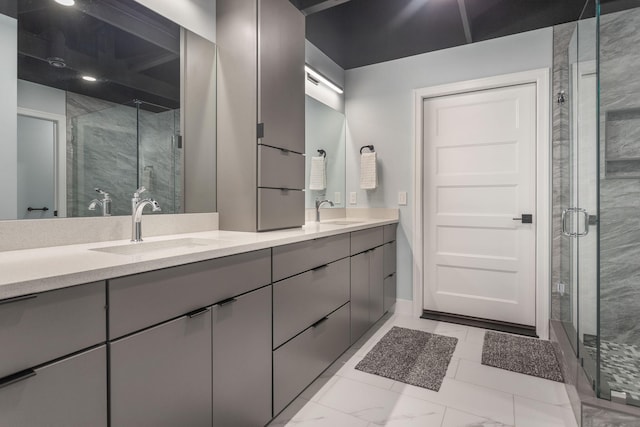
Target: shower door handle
{"points": [[565, 215], [586, 222], [574, 211]]}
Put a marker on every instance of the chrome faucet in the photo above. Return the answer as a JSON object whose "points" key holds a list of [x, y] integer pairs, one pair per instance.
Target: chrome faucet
{"points": [[104, 203], [136, 198], [136, 215], [318, 204]]}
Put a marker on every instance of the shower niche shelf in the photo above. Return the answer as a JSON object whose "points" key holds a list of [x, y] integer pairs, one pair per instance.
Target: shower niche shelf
{"points": [[622, 143]]}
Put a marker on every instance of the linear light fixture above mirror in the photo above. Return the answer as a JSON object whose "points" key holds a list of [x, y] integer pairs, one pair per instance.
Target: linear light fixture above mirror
{"points": [[316, 76]]}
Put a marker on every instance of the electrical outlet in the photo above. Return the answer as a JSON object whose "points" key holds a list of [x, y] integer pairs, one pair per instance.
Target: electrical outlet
{"points": [[353, 198], [337, 198], [402, 198]]}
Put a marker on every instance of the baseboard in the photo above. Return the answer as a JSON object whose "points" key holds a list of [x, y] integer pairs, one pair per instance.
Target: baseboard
{"points": [[404, 307]]}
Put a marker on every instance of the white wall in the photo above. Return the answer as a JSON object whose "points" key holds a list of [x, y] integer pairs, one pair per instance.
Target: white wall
{"points": [[41, 98], [379, 110], [198, 16], [8, 118]]}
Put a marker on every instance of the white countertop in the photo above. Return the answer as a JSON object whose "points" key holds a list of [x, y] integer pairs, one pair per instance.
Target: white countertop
{"points": [[30, 271]]}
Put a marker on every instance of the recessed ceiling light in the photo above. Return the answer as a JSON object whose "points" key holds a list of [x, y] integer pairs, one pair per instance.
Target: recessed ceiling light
{"points": [[66, 2], [89, 78]]}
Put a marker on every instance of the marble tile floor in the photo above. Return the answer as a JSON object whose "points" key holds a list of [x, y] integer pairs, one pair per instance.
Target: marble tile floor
{"points": [[471, 394]]}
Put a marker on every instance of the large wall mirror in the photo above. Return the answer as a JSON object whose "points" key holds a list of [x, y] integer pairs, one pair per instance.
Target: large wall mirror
{"points": [[325, 136], [103, 101]]}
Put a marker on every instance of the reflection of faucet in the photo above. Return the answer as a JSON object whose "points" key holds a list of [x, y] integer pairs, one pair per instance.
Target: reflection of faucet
{"points": [[318, 204], [136, 198], [104, 203], [136, 215]]}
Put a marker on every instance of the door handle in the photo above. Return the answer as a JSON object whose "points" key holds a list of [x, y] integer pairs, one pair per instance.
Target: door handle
{"points": [[586, 222], [525, 218], [565, 215], [17, 377]]}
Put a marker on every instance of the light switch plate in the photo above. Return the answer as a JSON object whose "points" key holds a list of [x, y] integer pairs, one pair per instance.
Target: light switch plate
{"points": [[353, 197], [337, 198], [402, 198]]}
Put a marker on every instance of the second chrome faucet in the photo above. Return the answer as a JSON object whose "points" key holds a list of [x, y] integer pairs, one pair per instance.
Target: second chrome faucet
{"points": [[137, 206]]}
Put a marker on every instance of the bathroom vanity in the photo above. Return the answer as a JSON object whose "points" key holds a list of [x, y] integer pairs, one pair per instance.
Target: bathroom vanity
{"points": [[210, 328]]}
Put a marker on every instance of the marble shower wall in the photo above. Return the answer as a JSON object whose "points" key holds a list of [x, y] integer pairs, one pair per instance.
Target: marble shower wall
{"points": [[620, 177], [102, 152]]}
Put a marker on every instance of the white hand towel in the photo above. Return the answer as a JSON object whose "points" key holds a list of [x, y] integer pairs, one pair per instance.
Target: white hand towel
{"points": [[368, 171], [318, 176]]}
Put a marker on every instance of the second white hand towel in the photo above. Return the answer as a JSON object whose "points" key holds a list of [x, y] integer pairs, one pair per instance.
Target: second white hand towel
{"points": [[318, 175], [368, 171]]}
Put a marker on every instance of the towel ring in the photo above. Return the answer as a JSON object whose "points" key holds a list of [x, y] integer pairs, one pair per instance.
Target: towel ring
{"points": [[322, 152], [370, 147]]}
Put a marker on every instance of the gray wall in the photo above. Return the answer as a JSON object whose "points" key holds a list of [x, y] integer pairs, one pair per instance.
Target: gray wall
{"points": [[8, 119], [379, 110]]}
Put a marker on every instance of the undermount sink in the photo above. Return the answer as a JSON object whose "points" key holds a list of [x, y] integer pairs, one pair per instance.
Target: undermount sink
{"points": [[147, 247], [342, 222]]}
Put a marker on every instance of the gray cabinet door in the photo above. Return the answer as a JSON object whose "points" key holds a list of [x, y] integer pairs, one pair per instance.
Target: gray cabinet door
{"points": [[389, 292], [38, 328], [297, 363], [301, 300], [389, 258], [359, 295], [161, 377], [280, 209], [280, 168], [302, 256], [364, 240], [376, 285], [242, 360], [281, 79], [69, 393]]}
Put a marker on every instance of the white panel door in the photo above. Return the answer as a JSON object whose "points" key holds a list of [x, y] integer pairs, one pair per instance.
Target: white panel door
{"points": [[479, 150]]}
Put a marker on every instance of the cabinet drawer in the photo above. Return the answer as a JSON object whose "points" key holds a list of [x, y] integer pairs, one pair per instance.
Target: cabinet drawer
{"points": [[280, 209], [389, 258], [69, 393], [366, 239], [38, 328], [389, 292], [389, 232], [297, 363], [298, 257], [142, 300], [303, 299], [280, 168], [161, 377]]}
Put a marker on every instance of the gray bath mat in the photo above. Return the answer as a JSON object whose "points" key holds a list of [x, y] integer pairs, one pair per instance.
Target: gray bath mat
{"points": [[412, 357], [519, 354]]}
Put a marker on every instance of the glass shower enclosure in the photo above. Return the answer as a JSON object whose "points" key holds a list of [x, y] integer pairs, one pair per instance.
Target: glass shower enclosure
{"points": [[120, 148], [596, 294]]}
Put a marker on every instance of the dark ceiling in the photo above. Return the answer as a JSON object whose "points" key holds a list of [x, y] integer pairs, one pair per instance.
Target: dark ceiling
{"points": [[355, 33], [133, 52]]}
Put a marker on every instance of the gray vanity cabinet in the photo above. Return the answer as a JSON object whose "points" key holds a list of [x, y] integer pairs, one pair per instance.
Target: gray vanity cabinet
{"points": [[367, 280], [71, 392], [162, 376], [242, 360]]}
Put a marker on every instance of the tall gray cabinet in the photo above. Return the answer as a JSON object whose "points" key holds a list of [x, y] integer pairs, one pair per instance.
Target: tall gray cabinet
{"points": [[260, 114]]}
